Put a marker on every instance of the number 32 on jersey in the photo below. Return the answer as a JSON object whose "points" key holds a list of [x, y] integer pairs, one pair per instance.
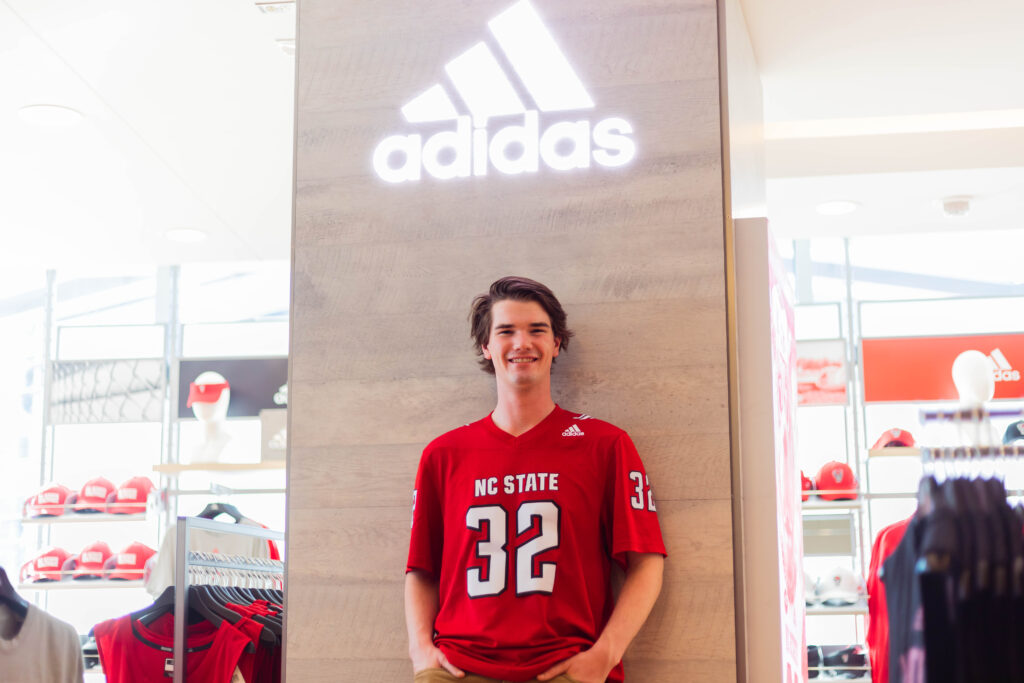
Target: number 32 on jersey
{"points": [[537, 529]]}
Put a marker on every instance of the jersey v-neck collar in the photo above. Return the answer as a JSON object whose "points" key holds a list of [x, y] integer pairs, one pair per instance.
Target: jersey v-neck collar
{"points": [[527, 436]]}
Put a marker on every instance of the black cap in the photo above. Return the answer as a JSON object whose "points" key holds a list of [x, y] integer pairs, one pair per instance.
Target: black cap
{"points": [[1014, 432]]}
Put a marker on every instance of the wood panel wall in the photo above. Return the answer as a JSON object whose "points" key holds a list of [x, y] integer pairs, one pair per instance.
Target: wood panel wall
{"points": [[382, 280]]}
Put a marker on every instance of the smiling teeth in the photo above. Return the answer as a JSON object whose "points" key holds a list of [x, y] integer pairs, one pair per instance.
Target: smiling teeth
{"points": [[520, 360]]}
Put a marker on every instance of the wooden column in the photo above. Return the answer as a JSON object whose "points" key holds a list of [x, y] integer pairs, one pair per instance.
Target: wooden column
{"points": [[381, 360]]}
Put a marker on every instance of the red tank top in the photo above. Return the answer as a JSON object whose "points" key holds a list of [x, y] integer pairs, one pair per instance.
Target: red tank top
{"points": [[133, 653]]}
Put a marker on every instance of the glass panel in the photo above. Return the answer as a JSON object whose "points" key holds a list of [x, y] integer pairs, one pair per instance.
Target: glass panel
{"points": [[235, 339], [941, 317], [818, 321], [107, 342], [123, 297], [237, 291]]}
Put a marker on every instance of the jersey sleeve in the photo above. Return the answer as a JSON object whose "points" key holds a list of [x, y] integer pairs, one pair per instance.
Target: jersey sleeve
{"points": [[633, 512], [427, 540]]}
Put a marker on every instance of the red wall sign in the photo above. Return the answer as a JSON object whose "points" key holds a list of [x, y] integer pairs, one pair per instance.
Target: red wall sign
{"points": [[920, 368]]}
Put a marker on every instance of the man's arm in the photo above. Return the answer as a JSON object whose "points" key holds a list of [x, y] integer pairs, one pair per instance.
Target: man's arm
{"points": [[421, 606], [639, 591]]}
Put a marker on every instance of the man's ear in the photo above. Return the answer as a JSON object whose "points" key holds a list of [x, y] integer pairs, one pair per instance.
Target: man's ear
{"points": [[558, 346], [487, 354]]}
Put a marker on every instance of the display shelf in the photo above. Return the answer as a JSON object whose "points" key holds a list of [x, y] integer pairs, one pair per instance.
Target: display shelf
{"points": [[831, 504], [220, 467], [828, 672], [217, 490], [894, 451], [81, 585], [73, 518], [845, 610]]}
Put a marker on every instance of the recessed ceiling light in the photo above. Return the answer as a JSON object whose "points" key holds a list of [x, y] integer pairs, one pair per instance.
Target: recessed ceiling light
{"points": [[957, 205], [50, 115], [185, 235], [837, 207]]}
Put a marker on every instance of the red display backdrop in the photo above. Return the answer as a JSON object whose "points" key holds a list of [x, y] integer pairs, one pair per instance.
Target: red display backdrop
{"points": [[920, 368]]}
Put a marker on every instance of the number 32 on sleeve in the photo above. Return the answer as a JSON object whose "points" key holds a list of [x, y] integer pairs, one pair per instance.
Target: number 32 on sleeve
{"points": [[642, 482]]}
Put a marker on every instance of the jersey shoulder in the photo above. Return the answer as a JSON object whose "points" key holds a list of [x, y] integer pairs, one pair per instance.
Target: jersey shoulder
{"points": [[458, 437]]}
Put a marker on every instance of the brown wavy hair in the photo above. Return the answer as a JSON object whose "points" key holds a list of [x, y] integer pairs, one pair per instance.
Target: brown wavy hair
{"points": [[516, 289]]}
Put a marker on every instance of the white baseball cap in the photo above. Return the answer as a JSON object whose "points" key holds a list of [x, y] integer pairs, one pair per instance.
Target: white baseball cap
{"points": [[841, 586]]}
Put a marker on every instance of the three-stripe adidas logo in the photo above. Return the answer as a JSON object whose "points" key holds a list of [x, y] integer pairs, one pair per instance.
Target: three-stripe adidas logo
{"points": [[485, 89], [573, 431], [1002, 371]]}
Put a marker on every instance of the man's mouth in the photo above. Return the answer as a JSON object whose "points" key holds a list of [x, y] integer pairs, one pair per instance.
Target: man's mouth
{"points": [[521, 360]]}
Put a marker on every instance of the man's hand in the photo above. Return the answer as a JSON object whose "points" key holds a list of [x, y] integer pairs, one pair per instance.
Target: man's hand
{"points": [[589, 666], [639, 591], [421, 605], [430, 657]]}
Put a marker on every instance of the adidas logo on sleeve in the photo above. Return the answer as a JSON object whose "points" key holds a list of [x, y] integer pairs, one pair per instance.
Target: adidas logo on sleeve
{"points": [[549, 85]]}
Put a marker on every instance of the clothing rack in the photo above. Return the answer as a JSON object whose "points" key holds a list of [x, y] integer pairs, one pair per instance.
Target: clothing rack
{"points": [[967, 414], [187, 560], [955, 453]]}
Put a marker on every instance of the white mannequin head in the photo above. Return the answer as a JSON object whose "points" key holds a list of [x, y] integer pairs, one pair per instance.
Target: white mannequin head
{"points": [[972, 375], [218, 410]]}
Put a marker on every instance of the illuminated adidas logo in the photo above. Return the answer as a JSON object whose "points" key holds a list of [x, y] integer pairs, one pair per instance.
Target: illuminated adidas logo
{"points": [[1002, 371], [483, 86]]}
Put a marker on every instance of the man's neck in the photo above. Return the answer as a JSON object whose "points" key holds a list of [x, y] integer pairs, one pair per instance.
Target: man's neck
{"points": [[518, 414]]}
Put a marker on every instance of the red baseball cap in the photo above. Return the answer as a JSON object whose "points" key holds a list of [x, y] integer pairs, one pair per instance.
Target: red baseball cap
{"points": [[46, 566], [130, 497], [49, 502], [838, 478], [93, 496], [130, 563], [805, 485], [205, 393], [89, 562], [895, 437]]}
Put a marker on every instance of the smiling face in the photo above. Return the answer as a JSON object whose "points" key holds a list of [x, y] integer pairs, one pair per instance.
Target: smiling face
{"points": [[521, 345]]}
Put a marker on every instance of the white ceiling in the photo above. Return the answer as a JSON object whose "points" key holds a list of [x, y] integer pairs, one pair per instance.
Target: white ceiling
{"points": [[188, 108], [894, 105], [187, 123]]}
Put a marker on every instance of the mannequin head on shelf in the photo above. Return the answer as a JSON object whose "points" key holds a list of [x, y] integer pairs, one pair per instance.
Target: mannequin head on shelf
{"points": [[208, 397], [972, 375]]}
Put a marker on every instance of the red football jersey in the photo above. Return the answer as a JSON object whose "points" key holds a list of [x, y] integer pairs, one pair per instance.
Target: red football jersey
{"points": [[133, 653], [259, 666], [878, 614], [521, 532]]}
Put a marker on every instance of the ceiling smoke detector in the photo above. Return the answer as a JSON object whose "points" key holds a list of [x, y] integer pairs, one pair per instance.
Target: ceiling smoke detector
{"points": [[959, 205]]}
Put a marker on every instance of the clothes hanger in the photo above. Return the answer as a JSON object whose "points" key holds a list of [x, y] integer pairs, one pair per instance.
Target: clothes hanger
{"points": [[214, 509], [10, 597]]}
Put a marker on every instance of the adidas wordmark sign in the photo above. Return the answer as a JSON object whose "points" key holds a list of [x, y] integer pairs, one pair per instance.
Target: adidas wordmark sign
{"points": [[484, 87]]}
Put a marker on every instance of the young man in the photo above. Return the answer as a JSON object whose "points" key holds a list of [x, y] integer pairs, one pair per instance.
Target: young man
{"points": [[518, 517]]}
